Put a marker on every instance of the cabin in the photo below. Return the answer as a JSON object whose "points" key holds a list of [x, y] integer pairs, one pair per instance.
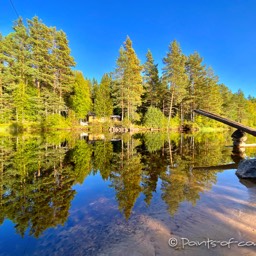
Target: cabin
{"points": [[91, 118], [83, 122], [115, 118], [96, 137]]}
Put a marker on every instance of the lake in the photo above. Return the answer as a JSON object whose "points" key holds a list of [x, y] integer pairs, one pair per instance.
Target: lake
{"points": [[84, 194]]}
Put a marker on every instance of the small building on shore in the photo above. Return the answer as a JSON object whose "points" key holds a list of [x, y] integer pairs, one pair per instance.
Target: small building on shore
{"points": [[115, 118], [91, 118]]}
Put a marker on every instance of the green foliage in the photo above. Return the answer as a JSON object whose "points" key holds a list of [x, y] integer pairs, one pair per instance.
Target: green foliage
{"points": [[154, 118], [174, 122], [103, 105], [103, 153], [81, 156], [154, 141], [37, 83], [35, 72], [174, 71], [16, 128], [80, 100], [204, 122], [126, 122], [127, 86], [55, 121], [36, 191], [251, 106], [154, 88]]}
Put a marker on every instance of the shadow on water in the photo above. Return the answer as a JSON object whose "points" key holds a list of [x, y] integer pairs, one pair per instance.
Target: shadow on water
{"points": [[38, 174]]}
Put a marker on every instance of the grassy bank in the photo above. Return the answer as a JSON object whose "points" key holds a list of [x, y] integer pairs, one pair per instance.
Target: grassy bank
{"points": [[59, 123]]}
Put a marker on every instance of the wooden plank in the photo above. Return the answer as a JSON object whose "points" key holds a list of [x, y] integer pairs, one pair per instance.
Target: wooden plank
{"points": [[217, 167], [226, 121]]}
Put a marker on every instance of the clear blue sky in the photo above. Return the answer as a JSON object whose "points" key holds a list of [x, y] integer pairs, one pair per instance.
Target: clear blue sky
{"points": [[222, 31]]}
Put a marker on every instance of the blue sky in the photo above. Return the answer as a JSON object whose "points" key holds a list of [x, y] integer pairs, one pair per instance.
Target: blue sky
{"points": [[223, 32]]}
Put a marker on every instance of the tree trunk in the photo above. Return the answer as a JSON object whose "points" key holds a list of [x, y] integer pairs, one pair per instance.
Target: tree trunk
{"points": [[181, 114], [122, 105], [170, 150], [170, 110]]}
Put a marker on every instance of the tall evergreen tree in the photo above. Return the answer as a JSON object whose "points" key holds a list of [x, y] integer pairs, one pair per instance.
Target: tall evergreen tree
{"points": [[196, 73], [240, 106], [174, 72], [133, 80], [164, 95], [93, 84], [118, 86], [41, 40], [6, 81], [210, 93], [18, 54], [228, 105], [18, 69], [63, 61], [152, 86], [128, 84], [251, 106], [103, 102], [52, 64]]}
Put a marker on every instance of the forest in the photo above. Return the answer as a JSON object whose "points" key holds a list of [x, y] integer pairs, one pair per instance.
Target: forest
{"points": [[40, 88]]}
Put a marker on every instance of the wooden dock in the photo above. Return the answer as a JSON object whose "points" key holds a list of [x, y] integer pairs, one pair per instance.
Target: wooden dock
{"points": [[227, 121]]}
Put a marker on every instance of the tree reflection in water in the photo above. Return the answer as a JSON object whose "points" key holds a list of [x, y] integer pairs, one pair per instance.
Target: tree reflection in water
{"points": [[37, 174]]}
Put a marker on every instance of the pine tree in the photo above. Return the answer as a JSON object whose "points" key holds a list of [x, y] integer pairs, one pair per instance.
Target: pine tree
{"points": [[18, 54], [174, 72], [93, 84], [127, 87], [17, 68], [240, 106], [251, 106], [228, 108], [164, 95], [6, 103], [132, 80], [103, 102], [210, 93], [51, 62], [31, 57], [118, 86], [152, 85], [62, 63], [41, 40], [196, 73]]}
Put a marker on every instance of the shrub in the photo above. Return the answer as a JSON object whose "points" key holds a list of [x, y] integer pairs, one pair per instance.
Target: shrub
{"points": [[154, 118], [56, 121]]}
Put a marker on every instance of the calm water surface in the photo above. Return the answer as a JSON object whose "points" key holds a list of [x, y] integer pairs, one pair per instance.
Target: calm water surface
{"points": [[125, 195]]}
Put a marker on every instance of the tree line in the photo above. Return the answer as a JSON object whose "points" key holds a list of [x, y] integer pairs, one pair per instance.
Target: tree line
{"points": [[38, 83]]}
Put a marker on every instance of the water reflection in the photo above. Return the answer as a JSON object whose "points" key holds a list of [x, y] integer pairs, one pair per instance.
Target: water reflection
{"points": [[36, 184], [37, 174]]}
